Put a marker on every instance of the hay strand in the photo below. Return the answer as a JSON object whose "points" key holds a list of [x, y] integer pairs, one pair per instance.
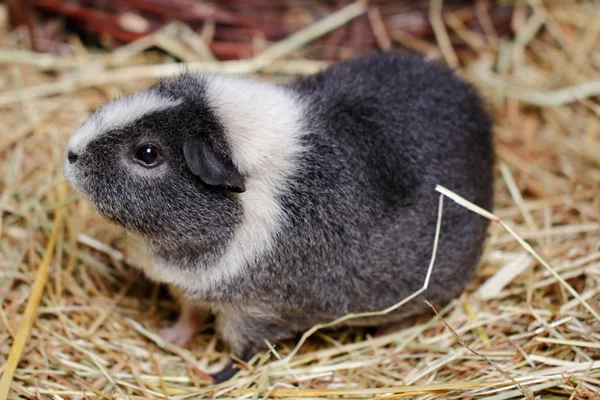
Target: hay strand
{"points": [[94, 331], [478, 210]]}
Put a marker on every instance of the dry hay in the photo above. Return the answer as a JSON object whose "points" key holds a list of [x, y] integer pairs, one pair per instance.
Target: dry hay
{"points": [[519, 331]]}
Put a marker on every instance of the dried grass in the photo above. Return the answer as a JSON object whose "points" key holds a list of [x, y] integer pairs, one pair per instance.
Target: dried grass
{"points": [[528, 326]]}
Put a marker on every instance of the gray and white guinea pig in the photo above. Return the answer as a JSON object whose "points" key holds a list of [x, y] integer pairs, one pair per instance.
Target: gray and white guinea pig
{"points": [[277, 207]]}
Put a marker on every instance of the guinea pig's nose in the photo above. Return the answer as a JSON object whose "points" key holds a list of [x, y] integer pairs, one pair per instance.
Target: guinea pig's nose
{"points": [[72, 157]]}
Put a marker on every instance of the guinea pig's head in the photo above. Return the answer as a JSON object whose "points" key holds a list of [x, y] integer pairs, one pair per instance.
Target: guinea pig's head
{"points": [[160, 164]]}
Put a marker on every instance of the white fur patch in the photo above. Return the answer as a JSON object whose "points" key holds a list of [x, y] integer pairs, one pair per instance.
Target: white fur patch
{"points": [[118, 113], [263, 125]]}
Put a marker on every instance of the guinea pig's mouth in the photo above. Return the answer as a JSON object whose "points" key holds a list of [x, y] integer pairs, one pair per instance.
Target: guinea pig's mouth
{"points": [[80, 180], [96, 193], [77, 180], [71, 175]]}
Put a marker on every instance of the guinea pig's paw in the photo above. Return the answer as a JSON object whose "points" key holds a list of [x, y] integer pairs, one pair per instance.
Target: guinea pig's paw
{"points": [[190, 321], [181, 333], [225, 374]]}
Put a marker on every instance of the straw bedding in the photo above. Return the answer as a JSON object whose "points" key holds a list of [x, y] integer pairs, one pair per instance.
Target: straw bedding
{"points": [[528, 326]]}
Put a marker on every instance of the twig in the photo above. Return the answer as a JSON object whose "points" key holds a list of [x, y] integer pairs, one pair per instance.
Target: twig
{"points": [[550, 98], [195, 42], [43, 61], [308, 34], [327, 393], [98, 245], [558, 97], [515, 393], [526, 392], [441, 35], [495, 284], [378, 27], [467, 204], [577, 343], [243, 67], [573, 229], [516, 195], [483, 16], [528, 32]]}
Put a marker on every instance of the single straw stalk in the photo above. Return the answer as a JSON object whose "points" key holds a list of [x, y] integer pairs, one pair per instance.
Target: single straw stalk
{"points": [[478, 210]]}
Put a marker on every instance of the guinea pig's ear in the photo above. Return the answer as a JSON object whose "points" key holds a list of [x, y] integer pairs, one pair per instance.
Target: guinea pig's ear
{"points": [[211, 168]]}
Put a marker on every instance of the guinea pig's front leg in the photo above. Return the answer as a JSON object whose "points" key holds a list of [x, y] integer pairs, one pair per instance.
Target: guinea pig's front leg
{"points": [[191, 319], [246, 334]]}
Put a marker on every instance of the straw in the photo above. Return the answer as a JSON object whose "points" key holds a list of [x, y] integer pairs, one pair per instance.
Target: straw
{"points": [[530, 313], [478, 210], [30, 313]]}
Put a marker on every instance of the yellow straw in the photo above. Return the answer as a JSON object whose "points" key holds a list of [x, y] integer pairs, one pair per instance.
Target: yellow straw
{"points": [[34, 301]]}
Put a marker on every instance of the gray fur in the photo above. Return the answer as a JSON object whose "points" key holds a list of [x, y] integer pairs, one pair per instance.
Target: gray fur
{"points": [[364, 144]]}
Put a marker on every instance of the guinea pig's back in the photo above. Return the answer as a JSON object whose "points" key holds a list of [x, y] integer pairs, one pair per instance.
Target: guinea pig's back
{"points": [[407, 119], [382, 131]]}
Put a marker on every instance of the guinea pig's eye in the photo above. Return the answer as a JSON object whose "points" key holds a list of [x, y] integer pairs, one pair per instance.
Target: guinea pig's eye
{"points": [[147, 155]]}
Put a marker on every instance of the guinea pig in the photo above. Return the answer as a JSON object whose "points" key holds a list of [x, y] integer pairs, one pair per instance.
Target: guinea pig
{"points": [[277, 207]]}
